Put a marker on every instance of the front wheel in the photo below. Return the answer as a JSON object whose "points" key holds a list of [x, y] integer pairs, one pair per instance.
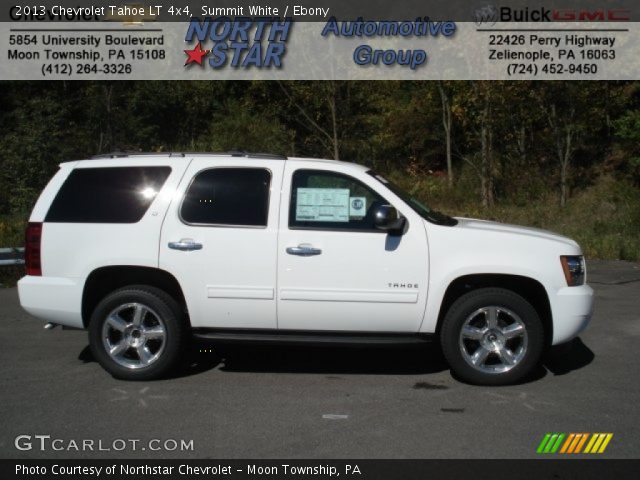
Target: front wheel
{"points": [[492, 336], [136, 333]]}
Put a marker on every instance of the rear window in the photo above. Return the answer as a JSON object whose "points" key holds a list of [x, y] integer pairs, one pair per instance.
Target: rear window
{"points": [[228, 196], [107, 195]]}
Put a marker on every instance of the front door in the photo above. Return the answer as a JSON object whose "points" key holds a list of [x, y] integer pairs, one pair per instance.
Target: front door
{"points": [[336, 271]]}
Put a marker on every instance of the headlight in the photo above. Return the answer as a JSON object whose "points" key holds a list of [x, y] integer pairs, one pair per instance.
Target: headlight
{"points": [[573, 267]]}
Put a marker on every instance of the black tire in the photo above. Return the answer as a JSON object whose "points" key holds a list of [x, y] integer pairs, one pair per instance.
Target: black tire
{"points": [[159, 314], [515, 316]]}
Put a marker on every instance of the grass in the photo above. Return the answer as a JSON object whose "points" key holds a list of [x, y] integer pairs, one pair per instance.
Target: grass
{"points": [[11, 235], [604, 218], [10, 275], [12, 230]]}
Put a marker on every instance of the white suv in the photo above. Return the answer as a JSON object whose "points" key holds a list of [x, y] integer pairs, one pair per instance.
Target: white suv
{"points": [[147, 251]]}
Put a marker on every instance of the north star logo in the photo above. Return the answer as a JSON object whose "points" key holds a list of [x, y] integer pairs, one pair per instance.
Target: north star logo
{"points": [[239, 43], [195, 55]]}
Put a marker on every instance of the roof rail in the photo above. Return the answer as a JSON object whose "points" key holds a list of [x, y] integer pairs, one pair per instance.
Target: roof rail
{"points": [[233, 153], [110, 155]]}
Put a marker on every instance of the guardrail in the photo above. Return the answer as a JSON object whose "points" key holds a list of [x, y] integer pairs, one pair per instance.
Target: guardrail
{"points": [[11, 256]]}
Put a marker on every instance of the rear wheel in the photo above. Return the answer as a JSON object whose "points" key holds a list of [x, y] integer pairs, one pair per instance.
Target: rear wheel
{"points": [[136, 333], [492, 336]]}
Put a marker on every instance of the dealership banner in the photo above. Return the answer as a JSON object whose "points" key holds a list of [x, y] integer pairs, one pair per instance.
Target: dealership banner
{"points": [[319, 41]]}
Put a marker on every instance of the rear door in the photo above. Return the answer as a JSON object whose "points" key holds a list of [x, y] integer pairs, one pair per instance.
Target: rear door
{"points": [[219, 240]]}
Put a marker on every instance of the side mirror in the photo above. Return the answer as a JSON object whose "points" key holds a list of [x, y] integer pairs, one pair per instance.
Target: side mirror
{"points": [[386, 218]]}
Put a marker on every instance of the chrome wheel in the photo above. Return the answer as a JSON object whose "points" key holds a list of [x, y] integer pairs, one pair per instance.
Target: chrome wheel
{"points": [[133, 335], [493, 339]]}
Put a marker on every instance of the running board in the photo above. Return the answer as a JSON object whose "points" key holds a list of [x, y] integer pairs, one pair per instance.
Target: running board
{"points": [[288, 337]]}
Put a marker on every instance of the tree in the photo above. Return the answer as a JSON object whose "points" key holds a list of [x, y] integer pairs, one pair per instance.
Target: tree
{"points": [[302, 98], [476, 115], [564, 131], [575, 114], [627, 128], [447, 124]]}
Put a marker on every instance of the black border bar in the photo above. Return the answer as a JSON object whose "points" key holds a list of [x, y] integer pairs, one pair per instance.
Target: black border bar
{"points": [[398, 10], [544, 468]]}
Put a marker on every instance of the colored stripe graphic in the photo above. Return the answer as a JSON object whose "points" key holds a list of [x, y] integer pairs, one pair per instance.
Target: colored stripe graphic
{"points": [[556, 446], [598, 442], [543, 443], [550, 443], [573, 443], [594, 437], [583, 439], [605, 443], [565, 447]]}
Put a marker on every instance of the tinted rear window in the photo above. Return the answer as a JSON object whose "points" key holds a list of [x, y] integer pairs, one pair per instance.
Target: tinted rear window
{"points": [[107, 195], [228, 196]]}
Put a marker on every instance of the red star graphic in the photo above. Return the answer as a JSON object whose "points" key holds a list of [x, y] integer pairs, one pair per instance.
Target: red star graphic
{"points": [[195, 55]]}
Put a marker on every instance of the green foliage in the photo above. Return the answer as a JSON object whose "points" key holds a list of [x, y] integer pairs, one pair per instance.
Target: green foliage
{"points": [[34, 140], [12, 231], [628, 129], [628, 126], [237, 127], [11, 235], [603, 218], [505, 141]]}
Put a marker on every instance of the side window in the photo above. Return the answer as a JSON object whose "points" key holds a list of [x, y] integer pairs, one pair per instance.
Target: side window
{"points": [[331, 201], [228, 196], [107, 195]]}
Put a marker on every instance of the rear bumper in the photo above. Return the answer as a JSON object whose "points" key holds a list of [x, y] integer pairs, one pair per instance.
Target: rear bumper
{"points": [[57, 300], [572, 308]]}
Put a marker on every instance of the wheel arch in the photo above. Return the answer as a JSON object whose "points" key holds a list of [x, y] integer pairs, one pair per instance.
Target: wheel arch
{"points": [[104, 280], [530, 289]]}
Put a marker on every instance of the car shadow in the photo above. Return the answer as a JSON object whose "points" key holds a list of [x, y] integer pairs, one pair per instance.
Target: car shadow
{"points": [[86, 356], [560, 360], [356, 360], [421, 359], [193, 362], [566, 358], [390, 360]]}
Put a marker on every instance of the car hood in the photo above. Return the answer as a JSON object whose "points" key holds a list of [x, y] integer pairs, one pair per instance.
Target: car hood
{"points": [[496, 227]]}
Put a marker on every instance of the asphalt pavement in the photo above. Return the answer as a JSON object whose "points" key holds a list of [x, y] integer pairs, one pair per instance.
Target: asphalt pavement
{"points": [[317, 402]]}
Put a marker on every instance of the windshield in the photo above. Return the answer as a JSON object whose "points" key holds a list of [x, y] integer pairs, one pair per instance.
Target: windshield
{"points": [[420, 208]]}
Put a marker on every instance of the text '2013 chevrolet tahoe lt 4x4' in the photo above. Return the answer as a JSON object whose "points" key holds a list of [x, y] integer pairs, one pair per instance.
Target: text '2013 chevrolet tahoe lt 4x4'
{"points": [[148, 251]]}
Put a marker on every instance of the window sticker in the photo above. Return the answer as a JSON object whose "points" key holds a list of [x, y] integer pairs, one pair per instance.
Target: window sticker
{"points": [[322, 205], [357, 206]]}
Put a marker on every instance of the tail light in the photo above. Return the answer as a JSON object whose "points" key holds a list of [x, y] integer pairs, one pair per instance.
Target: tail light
{"points": [[33, 237]]}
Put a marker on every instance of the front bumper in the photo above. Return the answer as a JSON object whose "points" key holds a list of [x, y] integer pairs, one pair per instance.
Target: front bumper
{"points": [[571, 308]]}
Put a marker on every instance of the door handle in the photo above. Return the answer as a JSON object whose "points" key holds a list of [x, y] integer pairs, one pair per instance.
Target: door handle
{"points": [[304, 250], [185, 245]]}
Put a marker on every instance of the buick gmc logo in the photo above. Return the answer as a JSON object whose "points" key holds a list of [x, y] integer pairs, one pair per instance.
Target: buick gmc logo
{"points": [[597, 15], [490, 14], [487, 15]]}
